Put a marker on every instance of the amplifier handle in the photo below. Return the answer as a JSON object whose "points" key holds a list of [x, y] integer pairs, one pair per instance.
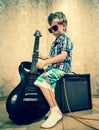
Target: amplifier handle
{"points": [[72, 72]]}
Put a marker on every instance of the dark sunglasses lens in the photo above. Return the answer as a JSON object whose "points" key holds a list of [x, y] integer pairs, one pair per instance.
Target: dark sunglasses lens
{"points": [[50, 30], [55, 28]]}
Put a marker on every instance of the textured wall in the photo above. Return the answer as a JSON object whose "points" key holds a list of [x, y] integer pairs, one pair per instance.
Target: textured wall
{"points": [[20, 18]]}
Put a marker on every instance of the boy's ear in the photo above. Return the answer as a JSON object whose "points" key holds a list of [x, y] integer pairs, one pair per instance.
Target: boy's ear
{"points": [[65, 27]]}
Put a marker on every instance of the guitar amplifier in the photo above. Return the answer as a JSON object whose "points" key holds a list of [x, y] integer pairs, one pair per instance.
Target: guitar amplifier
{"points": [[78, 91]]}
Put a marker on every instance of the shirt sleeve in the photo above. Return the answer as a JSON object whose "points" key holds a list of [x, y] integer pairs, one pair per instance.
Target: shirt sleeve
{"points": [[67, 45]]}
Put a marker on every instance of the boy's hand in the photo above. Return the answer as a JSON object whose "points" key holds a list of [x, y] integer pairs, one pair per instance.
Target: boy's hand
{"points": [[41, 64]]}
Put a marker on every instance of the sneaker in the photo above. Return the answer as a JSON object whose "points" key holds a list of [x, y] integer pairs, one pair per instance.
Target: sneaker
{"points": [[53, 119]]}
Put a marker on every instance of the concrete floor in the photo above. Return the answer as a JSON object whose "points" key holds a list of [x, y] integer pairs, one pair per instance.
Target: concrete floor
{"points": [[67, 123]]}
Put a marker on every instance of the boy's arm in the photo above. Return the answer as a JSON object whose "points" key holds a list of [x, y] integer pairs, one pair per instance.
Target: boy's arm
{"points": [[43, 57], [57, 58]]}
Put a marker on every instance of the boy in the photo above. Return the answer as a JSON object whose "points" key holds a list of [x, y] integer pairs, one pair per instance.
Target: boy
{"points": [[58, 64]]}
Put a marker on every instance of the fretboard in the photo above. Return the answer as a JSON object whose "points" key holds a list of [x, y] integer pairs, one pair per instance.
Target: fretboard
{"points": [[37, 35]]}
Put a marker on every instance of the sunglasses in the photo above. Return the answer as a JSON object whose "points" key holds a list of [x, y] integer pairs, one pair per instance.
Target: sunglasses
{"points": [[55, 27]]}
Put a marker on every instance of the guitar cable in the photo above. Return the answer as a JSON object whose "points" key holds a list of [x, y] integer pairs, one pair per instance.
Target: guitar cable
{"points": [[75, 116]]}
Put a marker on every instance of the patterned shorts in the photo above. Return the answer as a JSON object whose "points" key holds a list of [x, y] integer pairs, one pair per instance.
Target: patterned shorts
{"points": [[48, 78]]}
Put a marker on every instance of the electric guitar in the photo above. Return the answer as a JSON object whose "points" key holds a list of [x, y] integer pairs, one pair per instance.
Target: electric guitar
{"points": [[26, 103]]}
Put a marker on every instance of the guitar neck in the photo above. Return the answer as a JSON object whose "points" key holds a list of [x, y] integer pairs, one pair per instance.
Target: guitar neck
{"points": [[35, 56], [35, 53]]}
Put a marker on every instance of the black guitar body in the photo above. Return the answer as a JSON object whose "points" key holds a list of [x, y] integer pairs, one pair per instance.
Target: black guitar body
{"points": [[26, 102]]}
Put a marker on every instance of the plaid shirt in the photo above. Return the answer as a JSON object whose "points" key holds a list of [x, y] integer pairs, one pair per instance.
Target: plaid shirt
{"points": [[62, 43]]}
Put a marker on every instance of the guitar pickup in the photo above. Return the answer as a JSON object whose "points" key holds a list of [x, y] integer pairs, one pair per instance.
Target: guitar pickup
{"points": [[29, 94], [30, 99]]}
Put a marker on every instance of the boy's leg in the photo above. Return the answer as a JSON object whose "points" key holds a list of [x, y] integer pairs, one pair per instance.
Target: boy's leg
{"points": [[55, 113], [50, 96], [46, 89]]}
